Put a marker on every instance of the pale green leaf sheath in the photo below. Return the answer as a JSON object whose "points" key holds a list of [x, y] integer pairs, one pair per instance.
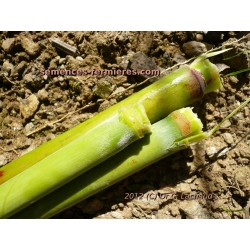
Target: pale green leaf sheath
{"points": [[163, 141]]}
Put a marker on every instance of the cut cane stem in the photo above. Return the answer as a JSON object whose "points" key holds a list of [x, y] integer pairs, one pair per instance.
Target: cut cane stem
{"points": [[163, 141], [176, 90], [170, 135], [57, 162], [74, 158]]}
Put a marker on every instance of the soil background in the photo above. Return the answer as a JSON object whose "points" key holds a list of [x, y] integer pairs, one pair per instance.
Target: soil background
{"points": [[35, 108]]}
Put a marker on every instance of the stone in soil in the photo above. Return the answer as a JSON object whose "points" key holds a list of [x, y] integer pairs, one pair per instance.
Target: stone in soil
{"points": [[245, 152], [193, 210], [145, 40], [228, 138], [147, 205], [7, 67], [34, 80], [140, 61], [29, 106], [242, 177], [8, 44], [225, 124], [117, 215], [103, 89], [28, 127], [183, 188], [19, 69], [29, 46], [104, 105], [3, 160], [194, 48], [233, 79], [211, 151], [42, 95], [178, 58]]}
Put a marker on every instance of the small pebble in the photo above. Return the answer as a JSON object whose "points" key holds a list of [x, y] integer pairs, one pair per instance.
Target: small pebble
{"points": [[194, 210], [118, 92], [178, 58], [103, 89], [114, 207], [228, 138], [19, 69], [221, 101], [246, 111], [53, 63], [3, 160], [209, 117], [7, 67], [29, 46], [29, 106], [211, 151], [60, 110], [194, 48], [121, 205], [104, 105], [222, 163], [140, 61], [62, 61], [233, 79], [116, 215], [184, 188], [245, 152], [79, 58], [60, 79], [42, 95], [16, 126], [8, 44], [28, 78], [225, 124], [199, 37], [29, 127]]}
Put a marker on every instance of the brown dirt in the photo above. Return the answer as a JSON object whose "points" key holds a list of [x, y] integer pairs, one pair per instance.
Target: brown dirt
{"points": [[217, 169]]}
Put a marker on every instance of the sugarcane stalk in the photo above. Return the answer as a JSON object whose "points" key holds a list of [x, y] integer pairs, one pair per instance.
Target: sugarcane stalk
{"points": [[165, 139], [75, 158], [176, 90], [182, 127], [168, 136], [76, 151]]}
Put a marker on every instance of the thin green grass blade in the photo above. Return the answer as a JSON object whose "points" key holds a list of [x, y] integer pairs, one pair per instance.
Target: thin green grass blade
{"points": [[231, 57], [238, 72], [215, 53]]}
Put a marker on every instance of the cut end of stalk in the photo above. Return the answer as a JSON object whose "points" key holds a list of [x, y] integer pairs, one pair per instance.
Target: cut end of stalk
{"points": [[210, 73], [136, 118], [198, 84], [187, 121]]}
